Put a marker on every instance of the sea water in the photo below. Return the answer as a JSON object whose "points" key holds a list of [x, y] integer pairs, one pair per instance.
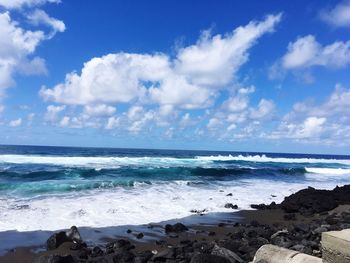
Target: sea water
{"points": [[51, 188]]}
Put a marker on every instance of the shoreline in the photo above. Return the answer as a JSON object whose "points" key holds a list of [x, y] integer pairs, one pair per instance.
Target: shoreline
{"points": [[242, 232]]}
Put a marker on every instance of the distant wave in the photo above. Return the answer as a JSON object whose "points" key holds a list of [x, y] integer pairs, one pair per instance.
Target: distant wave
{"points": [[116, 162], [264, 158], [79, 179], [329, 171]]}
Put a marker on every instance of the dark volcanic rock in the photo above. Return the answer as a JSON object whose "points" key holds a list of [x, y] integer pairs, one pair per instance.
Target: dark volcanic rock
{"points": [[61, 259], [312, 201], [289, 217], [273, 205], [236, 243], [176, 228], [143, 257], [226, 253], [140, 235], [56, 240], [96, 252], [207, 258], [232, 206], [124, 257], [74, 234], [165, 254]]}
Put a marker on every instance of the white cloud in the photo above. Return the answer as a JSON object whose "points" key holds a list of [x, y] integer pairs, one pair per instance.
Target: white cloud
{"points": [[186, 121], [100, 110], [214, 60], [17, 45], [15, 123], [189, 81], [38, 17], [139, 125], [265, 109], [52, 112], [16, 4], [236, 104], [109, 79], [112, 123], [338, 16], [308, 129], [326, 122], [214, 123], [237, 119], [307, 52]]}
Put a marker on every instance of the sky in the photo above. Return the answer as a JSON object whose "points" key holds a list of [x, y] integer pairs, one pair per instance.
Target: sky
{"points": [[271, 76]]}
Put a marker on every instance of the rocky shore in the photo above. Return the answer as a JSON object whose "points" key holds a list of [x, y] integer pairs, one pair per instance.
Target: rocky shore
{"points": [[296, 223]]}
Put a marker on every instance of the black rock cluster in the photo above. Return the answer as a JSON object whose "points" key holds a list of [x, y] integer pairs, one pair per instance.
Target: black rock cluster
{"points": [[239, 245]]}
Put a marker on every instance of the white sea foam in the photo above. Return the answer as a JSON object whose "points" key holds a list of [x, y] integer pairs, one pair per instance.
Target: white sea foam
{"points": [[101, 162], [264, 158], [328, 171], [117, 162], [139, 205]]}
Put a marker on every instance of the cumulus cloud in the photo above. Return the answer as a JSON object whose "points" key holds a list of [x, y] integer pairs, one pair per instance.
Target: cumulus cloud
{"points": [[237, 119], [264, 109], [306, 52], [109, 79], [337, 16], [15, 123], [52, 112], [112, 123], [310, 128], [191, 80], [327, 122], [214, 60], [38, 17], [100, 110], [78, 122], [18, 45], [16, 4]]}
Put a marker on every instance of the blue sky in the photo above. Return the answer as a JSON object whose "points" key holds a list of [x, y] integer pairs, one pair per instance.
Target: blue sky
{"points": [[244, 76]]}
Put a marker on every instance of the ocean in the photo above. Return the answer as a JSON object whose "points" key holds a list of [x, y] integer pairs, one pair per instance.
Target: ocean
{"points": [[51, 188]]}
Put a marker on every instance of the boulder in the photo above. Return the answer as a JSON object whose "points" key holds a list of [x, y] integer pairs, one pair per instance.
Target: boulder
{"points": [[74, 234], [56, 240], [311, 200]]}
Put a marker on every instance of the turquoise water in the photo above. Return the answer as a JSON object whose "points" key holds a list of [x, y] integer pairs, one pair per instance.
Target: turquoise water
{"points": [[108, 187]]}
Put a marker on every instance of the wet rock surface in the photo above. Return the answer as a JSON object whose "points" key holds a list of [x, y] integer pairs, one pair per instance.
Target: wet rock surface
{"points": [[304, 219]]}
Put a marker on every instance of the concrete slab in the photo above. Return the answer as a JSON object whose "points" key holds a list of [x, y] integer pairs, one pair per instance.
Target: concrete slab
{"points": [[336, 246], [275, 254]]}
